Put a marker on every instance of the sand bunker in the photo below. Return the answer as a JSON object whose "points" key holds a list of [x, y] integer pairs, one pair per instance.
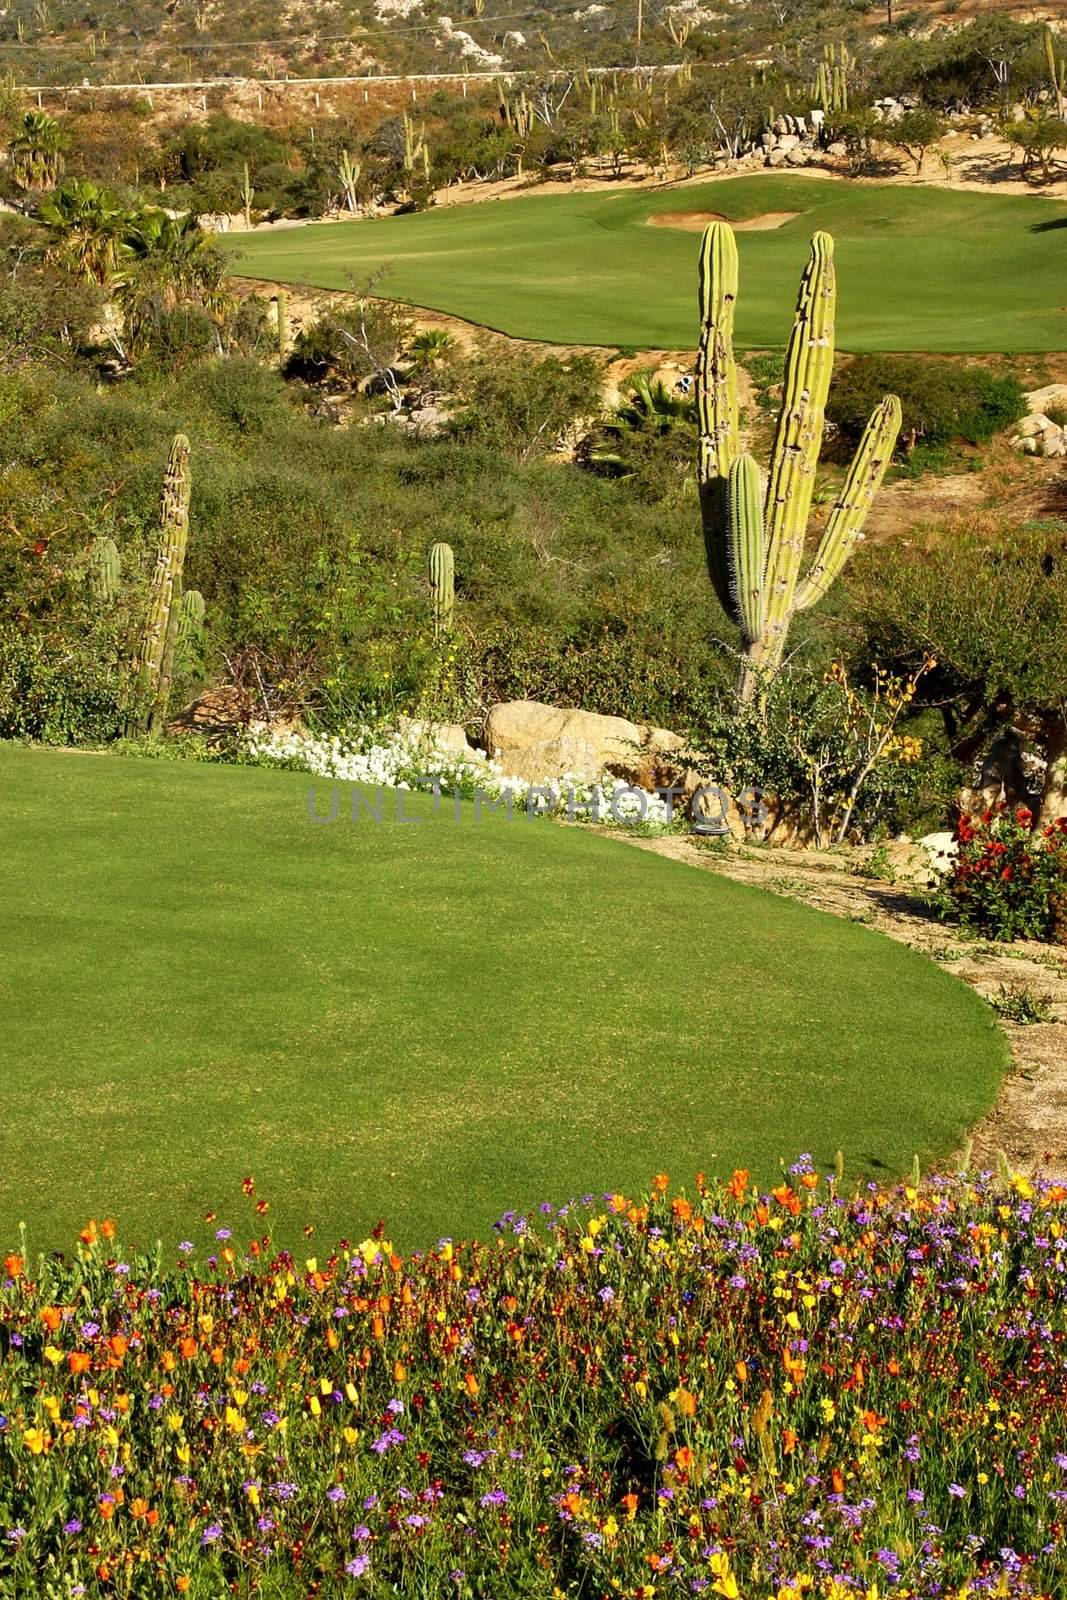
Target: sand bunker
{"points": [[697, 221]]}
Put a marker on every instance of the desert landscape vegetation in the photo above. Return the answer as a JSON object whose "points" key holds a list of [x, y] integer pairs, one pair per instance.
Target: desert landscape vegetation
{"points": [[533, 797]]}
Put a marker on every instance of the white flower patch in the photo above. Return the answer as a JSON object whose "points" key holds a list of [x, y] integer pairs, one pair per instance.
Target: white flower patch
{"points": [[406, 761]]}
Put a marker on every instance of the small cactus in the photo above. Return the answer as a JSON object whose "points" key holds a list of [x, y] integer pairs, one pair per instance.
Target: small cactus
{"points": [[190, 627], [442, 568], [105, 569], [281, 312]]}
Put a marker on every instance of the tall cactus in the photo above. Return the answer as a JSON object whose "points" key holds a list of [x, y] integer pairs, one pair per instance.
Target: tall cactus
{"points": [[754, 541], [442, 569], [1057, 68], [156, 654], [281, 314], [105, 569]]}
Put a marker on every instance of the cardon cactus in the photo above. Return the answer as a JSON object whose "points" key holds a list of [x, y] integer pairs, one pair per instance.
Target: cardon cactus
{"points": [[442, 569], [105, 569], [755, 538], [156, 654], [190, 626]]}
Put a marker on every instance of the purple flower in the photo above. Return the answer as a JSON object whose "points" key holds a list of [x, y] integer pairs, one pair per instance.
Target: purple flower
{"points": [[957, 1491], [358, 1566], [607, 1294], [362, 1532], [336, 1494], [73, 1526], [495, 1498], [212, 1532], [385, 1441]]}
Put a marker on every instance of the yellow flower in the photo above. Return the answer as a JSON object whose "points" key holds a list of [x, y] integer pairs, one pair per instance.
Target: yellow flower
{"points": [[174, 1421], [35, 1440], [828, 1409], [52, 1354], [234, 1420]]}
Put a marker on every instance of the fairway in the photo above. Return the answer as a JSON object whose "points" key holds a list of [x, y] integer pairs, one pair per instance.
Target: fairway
{"points": [[428, 1023], [918, 269]]}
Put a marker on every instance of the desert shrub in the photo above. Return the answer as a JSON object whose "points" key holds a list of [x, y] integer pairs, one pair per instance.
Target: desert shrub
{"points": [[1009, 880], [942, 401], [521, 404], [349, 345]]}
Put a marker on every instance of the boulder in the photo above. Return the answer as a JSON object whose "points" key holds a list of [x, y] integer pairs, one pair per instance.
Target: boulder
{"points": [[798, 158], [216, 712], [838, 148], [1036, 422], [788, 141], [437, 735], [909, 863], [941, 849], [1052, 396], [551, 760], [616, 743]]}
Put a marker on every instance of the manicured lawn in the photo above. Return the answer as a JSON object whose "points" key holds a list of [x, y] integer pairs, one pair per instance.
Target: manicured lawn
{"points": [[919, 269], [428, 1023]]}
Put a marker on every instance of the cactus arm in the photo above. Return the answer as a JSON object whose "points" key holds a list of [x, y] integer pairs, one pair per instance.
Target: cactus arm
{"points": [[745, 545], [716, 386], [795, 455], [844, 526]]}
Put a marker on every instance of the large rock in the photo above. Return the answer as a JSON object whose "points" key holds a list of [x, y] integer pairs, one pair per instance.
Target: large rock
{"points": [[553, 760], [1053, 395], [617, 744]]}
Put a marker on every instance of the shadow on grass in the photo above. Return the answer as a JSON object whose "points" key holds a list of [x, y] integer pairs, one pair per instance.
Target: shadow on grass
{"points": [[1050, 226]]}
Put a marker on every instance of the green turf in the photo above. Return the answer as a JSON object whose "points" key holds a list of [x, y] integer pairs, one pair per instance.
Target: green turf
{"points": [[428, 1022], [919, 269]]}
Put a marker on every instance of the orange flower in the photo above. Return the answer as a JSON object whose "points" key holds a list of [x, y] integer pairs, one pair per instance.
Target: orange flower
{"points": [[13, 1266], [51, 1316], [118, 1344], [893, 1367], [738, 1183], [742, 1371], [810, 1180], [572, 1502], [789, 1440], [139, 1508], [79, 1361], [837, 1480], [682, 1209], [661, 1182], [683, 1458], [872, 1421], [88, 1233], [629, 1504], [107, 1228], [470, 1383], [187, 1349], [182, 1584], [400, 1372]]}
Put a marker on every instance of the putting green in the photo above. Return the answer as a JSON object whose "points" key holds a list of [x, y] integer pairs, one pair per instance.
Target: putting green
{"points": [[918, 269], [427, 1023]]}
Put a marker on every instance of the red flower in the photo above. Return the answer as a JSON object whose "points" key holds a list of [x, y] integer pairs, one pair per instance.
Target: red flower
{"points": [[1007, 874], [1024, 816]]}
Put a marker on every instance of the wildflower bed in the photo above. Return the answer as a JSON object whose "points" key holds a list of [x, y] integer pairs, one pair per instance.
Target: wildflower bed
{"points": [[739, 1393]]}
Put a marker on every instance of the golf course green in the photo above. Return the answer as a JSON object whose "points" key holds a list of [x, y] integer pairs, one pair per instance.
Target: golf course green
{"points": [[918, 268], [426, 1023]]}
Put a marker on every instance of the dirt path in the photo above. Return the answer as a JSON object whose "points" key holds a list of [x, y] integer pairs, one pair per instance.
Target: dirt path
{"points": [[1029, 1120]]}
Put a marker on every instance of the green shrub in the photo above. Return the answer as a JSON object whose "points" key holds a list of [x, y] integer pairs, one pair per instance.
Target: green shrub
{"points": [[942, 401], [58, 691], [1009, 881]]}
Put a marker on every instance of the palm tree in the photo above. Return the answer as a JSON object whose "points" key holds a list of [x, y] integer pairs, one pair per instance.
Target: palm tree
{"points": [[36, 153], [651, 412], [88, 224], [171, 261]]}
